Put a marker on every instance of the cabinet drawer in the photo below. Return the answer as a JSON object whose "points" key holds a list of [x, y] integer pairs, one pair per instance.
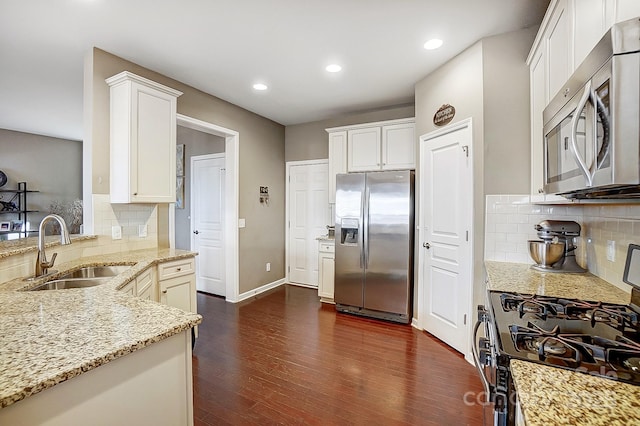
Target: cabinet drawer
{"points": [[327, 247], [176, 268]]}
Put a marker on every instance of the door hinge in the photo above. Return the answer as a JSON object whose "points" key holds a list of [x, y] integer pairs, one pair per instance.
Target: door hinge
{"points": [[465, 148], [464, 320], [467, 236]]}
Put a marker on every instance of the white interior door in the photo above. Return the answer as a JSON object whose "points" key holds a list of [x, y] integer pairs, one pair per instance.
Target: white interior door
{"points": [[207, 222], [446, 230], [308, 218]]}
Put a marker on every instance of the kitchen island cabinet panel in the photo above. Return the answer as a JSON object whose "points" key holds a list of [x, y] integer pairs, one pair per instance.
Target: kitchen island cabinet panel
{"points": [[151, 386]]}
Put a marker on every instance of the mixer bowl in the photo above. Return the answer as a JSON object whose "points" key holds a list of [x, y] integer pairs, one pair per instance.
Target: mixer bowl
{"points": [[545, 253]]}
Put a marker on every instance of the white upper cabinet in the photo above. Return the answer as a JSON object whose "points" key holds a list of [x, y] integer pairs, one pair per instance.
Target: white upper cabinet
{"points": [[398, 146], [559, 46], [590, 24], [364, 149], [337, 160], [142, 140], [538, 97]]}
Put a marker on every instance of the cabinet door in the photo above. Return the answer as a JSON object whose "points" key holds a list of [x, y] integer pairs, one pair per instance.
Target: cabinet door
{"points": [[559, 48], [589, 26], [626, 9], [538, 103], [146, 285], [129, 288], [398, 147], [326, 277], [179, 292], [142, 140], [337, 160], [364, 149]]}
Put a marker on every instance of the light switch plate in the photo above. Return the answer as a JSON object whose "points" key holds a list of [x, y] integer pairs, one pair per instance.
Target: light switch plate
{"points": [[116, 232], [142, 231]]}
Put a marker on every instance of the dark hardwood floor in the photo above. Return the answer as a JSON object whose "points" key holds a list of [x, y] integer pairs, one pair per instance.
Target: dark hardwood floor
{"points": [[286, 358]]}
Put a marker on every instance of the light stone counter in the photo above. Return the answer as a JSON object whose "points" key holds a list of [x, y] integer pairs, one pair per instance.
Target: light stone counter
{"points": [[26, 245], [555, 396], [520, 278], [47, 337]]}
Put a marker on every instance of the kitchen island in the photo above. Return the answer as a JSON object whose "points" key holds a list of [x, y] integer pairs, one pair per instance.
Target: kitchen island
{"points": [[143, 350], [551, 395]]}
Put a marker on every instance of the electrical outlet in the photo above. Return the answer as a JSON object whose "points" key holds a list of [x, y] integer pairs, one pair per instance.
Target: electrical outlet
{"points": [[611, 251], [241, 223], [268, 267], [142, 231], [116, 232]]}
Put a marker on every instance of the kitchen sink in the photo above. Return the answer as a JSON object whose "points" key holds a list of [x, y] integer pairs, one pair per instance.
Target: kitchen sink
{"points": [[96, 272], [89, 276], [71, 283]]}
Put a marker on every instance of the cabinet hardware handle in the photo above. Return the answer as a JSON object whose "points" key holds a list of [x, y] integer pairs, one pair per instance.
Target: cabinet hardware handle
{"points": [[426, 245], [164, 291], [178, 269], [196, 232], [135, 193]]}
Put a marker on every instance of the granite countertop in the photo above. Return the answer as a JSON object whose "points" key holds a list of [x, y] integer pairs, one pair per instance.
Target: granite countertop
{"points": [[26, 245], [47, 337], [554, 396], [551, 395], [326, 238], [520, 278]]}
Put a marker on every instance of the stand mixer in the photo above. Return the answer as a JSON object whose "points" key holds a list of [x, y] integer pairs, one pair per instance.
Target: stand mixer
{"points": [[552, 233]]}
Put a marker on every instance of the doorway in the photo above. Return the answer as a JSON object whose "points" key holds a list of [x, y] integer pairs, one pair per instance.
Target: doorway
{"points": [[231, 204], [446, 229], [307, 217]]}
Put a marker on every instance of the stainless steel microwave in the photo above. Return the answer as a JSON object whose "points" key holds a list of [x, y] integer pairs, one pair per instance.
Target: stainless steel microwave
{"points": [[592, 126]]}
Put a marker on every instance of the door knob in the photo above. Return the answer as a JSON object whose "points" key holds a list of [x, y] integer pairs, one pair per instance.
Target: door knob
{"points": [[426, 245], [196, 232]]}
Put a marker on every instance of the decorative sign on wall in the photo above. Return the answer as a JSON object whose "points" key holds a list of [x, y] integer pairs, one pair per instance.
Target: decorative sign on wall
{"points": [[444, 115]]}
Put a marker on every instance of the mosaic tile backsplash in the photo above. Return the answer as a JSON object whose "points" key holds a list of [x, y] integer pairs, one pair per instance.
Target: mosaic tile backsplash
{"points": [[510, 221]]}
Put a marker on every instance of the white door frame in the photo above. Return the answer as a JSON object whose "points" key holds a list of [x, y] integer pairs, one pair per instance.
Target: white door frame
{"points": [[421, 253], [191, 202], [231, 208], [290, 164]]}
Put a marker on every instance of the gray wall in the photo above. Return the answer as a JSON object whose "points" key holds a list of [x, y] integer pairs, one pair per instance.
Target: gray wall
{"points": [[310, 141], [50, 165], [195, 143], [488, 82], [262, 162], [507, 125]]}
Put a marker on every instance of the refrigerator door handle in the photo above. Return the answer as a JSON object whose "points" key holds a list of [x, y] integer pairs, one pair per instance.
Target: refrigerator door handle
{"points": [[365, 233]]}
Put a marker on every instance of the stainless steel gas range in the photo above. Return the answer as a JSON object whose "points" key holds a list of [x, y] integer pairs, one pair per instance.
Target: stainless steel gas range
{"points": [[594, 338]]}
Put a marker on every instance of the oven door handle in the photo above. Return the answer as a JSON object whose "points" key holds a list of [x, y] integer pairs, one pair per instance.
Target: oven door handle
{"points": [[476, 359], [582, 163]]}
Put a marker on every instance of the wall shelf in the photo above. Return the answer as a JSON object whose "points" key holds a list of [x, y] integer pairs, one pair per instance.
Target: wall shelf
{"points": [[20, 201]]}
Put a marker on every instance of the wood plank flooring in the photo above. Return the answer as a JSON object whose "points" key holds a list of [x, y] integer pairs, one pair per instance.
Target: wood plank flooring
{"points": [[286, 358]]}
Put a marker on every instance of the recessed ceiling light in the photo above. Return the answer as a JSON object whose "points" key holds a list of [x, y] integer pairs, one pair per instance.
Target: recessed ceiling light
{"points": [[334, 68], [434, 43], [260, 86]]}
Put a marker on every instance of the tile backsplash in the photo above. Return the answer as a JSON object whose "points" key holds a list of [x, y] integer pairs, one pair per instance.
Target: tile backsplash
{"points": [[510, 221]]}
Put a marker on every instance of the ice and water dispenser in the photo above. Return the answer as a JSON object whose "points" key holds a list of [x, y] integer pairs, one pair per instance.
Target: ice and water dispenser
{"points": [[349, 231]]}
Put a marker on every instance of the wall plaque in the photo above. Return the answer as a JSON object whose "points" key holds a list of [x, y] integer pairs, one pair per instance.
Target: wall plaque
{"points": [[444, 115]]}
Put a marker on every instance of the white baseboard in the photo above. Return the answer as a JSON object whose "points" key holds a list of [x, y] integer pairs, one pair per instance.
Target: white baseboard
{"points": [[303, 285], [414, 324], [261, 289]]}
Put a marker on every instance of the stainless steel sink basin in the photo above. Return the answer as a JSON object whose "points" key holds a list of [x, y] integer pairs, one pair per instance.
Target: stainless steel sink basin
{"points": [[96, 272], [89, 276], [71, 283]]}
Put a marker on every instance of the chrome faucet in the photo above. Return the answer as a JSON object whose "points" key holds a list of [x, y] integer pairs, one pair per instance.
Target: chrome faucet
{"points": [[42, 265]]}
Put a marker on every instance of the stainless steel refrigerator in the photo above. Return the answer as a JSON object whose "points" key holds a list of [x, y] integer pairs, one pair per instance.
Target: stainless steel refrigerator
{"points": [[374, 244]]}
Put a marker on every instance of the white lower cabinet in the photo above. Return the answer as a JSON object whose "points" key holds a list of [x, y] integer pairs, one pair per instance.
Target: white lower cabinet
{"points": [[326, 271], [130, 288], [177, 284], [146, 285]]}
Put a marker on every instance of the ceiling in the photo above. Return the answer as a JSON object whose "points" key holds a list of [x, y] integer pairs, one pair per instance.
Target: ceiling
{"points": [[223, 47]]}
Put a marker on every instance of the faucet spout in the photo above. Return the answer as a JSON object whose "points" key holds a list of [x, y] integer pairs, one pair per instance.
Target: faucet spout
{"points": [[42, 265]]}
